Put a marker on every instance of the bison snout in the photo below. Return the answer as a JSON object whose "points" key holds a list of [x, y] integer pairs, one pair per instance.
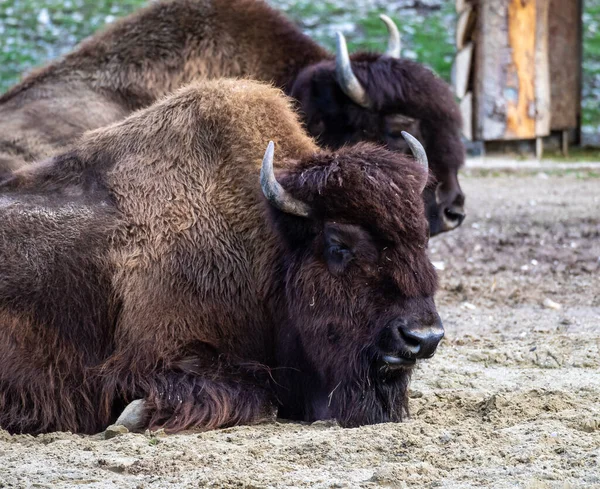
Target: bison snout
{"points": [[426, 339], [450, 207], [403, 342]]}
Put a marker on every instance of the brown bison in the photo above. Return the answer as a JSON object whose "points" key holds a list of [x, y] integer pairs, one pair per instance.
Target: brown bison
{"points": [[138, 60], [148, 264]]}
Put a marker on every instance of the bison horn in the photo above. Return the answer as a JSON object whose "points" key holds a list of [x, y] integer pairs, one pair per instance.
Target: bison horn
{"points": [[274, 192], [418, 152], [346, 77], [394, 44]]}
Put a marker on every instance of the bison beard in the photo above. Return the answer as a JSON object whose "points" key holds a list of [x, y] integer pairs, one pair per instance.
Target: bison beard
{"points": [[375, 400], [362, 393], [147, 264]]}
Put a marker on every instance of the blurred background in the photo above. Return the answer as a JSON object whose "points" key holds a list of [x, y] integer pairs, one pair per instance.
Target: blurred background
{"points": [[35, 31]]}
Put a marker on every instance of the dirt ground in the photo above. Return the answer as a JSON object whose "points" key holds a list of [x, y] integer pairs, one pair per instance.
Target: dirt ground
{"points": [[511, 399]]}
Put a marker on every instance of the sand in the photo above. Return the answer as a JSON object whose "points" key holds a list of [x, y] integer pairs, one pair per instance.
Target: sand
{"points": [[511, 399]]}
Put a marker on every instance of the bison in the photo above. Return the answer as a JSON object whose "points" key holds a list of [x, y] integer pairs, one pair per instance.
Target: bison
{"points": [[150, 262], [143, 57]]}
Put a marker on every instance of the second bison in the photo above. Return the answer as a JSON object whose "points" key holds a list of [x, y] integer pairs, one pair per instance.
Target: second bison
{"points": [[143, 57]]}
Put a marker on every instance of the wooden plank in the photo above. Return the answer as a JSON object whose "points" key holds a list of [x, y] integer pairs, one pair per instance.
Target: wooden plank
{"points": [[461, 5], [492, 54], [520, 80], [542, 71], [466, 110], [461, 70], [465, 27], [565, 64], [539, 148], [565, 143]]}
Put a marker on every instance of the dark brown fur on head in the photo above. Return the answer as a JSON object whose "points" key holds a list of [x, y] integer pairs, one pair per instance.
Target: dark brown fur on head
{"points": [[405, 96], [352, 268], [209, 304]]}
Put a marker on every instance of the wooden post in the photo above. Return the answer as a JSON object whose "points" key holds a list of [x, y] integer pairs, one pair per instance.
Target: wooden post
{"points": [[565, 143], [565, 67], [461, 5], [462, 68], [464, 27], [511, 86], [539, 148], [466, 111], [461, 71], [491, 55], [542, 71]]}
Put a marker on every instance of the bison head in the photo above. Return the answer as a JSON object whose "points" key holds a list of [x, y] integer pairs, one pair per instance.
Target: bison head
{"points": [[356, 285], [372, 97]]}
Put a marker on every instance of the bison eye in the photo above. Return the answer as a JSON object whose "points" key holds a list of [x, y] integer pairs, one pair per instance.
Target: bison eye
{"points": [[394, 134], [316, 128], [338, 258], [345, 242]]}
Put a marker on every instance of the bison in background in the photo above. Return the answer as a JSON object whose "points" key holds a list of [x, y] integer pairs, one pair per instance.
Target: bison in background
{"points": [[148, 263], [143, 57]]}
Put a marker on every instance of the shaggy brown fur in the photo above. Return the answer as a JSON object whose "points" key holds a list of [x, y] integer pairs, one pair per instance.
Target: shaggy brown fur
{"points": [[138, 60], [151, 266], [147, 55]]}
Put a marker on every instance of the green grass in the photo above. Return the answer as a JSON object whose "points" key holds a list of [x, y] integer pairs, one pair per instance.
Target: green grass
{"points": [[591, 67], [427, 39], [27, 40], [576, 155]]}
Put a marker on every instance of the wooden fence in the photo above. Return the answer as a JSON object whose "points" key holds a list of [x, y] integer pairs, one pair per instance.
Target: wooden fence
{"points": [[517, 71]]}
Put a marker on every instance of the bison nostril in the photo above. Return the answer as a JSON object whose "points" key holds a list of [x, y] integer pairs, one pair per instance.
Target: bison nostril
{"points": [[403, 342], [454, 216], [411, 343], [427, 339]]}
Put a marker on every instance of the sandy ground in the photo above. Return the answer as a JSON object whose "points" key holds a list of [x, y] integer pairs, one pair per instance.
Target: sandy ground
{"points": [[512, 398]]}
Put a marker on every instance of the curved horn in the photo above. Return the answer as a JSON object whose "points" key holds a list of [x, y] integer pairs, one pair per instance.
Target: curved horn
{"points": [[394, 43], [346, 77], [274, 192], [419, 153]]}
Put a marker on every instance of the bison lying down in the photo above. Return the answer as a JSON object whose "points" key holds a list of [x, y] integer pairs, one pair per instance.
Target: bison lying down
{"points": [[149, 54], [148, 264]]}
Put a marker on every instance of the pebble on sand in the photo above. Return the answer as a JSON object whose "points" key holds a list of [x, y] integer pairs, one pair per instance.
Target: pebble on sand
{"points": [[550, 304], [115, 430]]}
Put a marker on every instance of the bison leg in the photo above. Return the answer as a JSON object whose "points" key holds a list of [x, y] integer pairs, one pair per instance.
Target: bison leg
{"points": [[183, 402], [189, 396]]}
